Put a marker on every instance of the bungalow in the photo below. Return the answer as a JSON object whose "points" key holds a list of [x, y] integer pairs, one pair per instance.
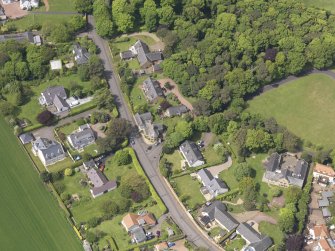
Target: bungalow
{"points": [[285, 170], [81, 55], [191, 153], [81, 138], [175, 111], [152, 89], [48, 151], [100, 183], [48, 96], [147, 128], [130, 221], [26, 138], [323, 173], [216, 213], [254, 240], [211, 186], [143, 54]]}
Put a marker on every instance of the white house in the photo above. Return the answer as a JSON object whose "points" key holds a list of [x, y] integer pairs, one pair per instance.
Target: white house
{"points": [[48, 151], [322, 172]]}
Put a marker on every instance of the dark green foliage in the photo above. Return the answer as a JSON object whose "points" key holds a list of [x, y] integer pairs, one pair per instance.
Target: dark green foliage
{"points": [[45, 176], [242, 170], [122, 157], [45, 118]]}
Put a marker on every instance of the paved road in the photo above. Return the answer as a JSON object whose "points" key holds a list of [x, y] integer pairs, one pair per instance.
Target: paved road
{"points": [[149, 161]]}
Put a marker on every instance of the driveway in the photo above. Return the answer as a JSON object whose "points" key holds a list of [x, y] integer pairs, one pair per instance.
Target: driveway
{"points": [[216, 170], [176, 92], [315, 215], [256, 216]]}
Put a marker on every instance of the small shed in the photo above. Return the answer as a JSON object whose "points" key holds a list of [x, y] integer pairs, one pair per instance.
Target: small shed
{"points": [[56, 64]]}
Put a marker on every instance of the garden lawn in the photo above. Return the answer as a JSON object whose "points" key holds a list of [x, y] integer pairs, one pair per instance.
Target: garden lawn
{"points": [[30, 217], [175, 158], [60, 5], [190, 189], [31, 19], [137, 98], [305, 106], [32, 108], [271, 230], [322, 4], [236, 244]]}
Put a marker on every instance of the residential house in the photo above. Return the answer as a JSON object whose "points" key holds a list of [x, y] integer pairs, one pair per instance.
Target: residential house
{"points": [[100, 183], [81, 55], [147, 128], [191, 153], [26, 138], [143, 54], [254, 240], [138, 235], [319, 232], [211, 186], [29, 4], [130, 221], [60, 104], [48, 151], [216, 214], [163, 246], [175, 111], [47, 97], [285, 170], [81, 138], [324, 202], [89, 164], [324, 174], [152, 89]]}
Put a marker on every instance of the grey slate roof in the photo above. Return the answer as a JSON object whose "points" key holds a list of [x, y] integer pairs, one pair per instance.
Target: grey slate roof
{"points": [[213, 185], [139, 234], [176, 110], [154, 56], [152, 89], [109, 185], [217, 211], [285, 166], [100, 182], [82, 138], [126, 55], [81, 54], [327, 194], [144, 56], [49, 148], [50, 93], [89, 164], [60, 104], [191, 151], [26, 138], [205, 176], [20, 37], [256, 240]]}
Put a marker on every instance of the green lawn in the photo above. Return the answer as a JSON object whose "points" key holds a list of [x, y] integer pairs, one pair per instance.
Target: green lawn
{"points": [[322, 4], [59, 5], [190, 189], [175, 158], [236, 244], [30, 217], [273, 231], [31, 19], [31, 109], [305, 106], [137, 97]]}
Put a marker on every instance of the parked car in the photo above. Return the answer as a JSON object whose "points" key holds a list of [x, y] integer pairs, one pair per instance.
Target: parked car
{"points": [[171, 244]]}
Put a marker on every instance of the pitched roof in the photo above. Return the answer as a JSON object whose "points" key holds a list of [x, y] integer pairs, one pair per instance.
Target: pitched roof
{"points": [[326, 212], [321, 231], [81, 54], [26, 138], [60, 103], [139, 234], [162, 246], [50, 149], [109, 185], [82, 138], [273, 162], [154, 56], [131, 219], [325, 245], [126, 54], [50, 93], [152, 89], [191, 152], [142, 49], [327, 194], [89, 164], [96, 177], [205, 176], [255, 239], [212, 184], [176, 110], [323, 169]]}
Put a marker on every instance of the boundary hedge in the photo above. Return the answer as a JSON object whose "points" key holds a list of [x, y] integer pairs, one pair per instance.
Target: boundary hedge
{"points": [[140, 171]]}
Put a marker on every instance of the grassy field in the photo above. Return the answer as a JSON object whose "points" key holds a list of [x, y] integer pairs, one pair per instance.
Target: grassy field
{"points": [[273, 231], [322, 4], [59, 5], [305, 106], [30, 217]]}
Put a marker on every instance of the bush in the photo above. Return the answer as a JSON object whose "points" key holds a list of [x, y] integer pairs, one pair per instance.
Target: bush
{"points": [[59, 187], [45, 176], [275, 191], [124, 205], [56, 176], [110, 207], [68, 172], [45, 118], [93, 222], [122, 157], [65, 196]]}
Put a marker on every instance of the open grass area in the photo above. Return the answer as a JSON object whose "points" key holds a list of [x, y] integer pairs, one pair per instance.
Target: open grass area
{"points": [[175, 159], [188, 190], [32, 108], [30, 217], [305, 106], [236, 244], [137, 98], [321, 4], [31, 20], [59, 5], [273, 231]]}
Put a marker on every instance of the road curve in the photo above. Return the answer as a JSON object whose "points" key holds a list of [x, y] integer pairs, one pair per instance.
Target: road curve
{"points": [[150, 165]]}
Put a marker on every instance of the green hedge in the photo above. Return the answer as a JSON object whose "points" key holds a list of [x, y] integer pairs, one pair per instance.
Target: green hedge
{"points": [[82, 108], [32, 127], [233, 192], [140, 171]]}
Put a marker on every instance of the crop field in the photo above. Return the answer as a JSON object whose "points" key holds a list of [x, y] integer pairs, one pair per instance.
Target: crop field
{"points": [[30, 217], [305, 106], [322, 4]]}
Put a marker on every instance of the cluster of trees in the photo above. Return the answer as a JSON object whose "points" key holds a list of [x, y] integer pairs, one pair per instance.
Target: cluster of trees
{"points": [[134, 187], [118, 131]]}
